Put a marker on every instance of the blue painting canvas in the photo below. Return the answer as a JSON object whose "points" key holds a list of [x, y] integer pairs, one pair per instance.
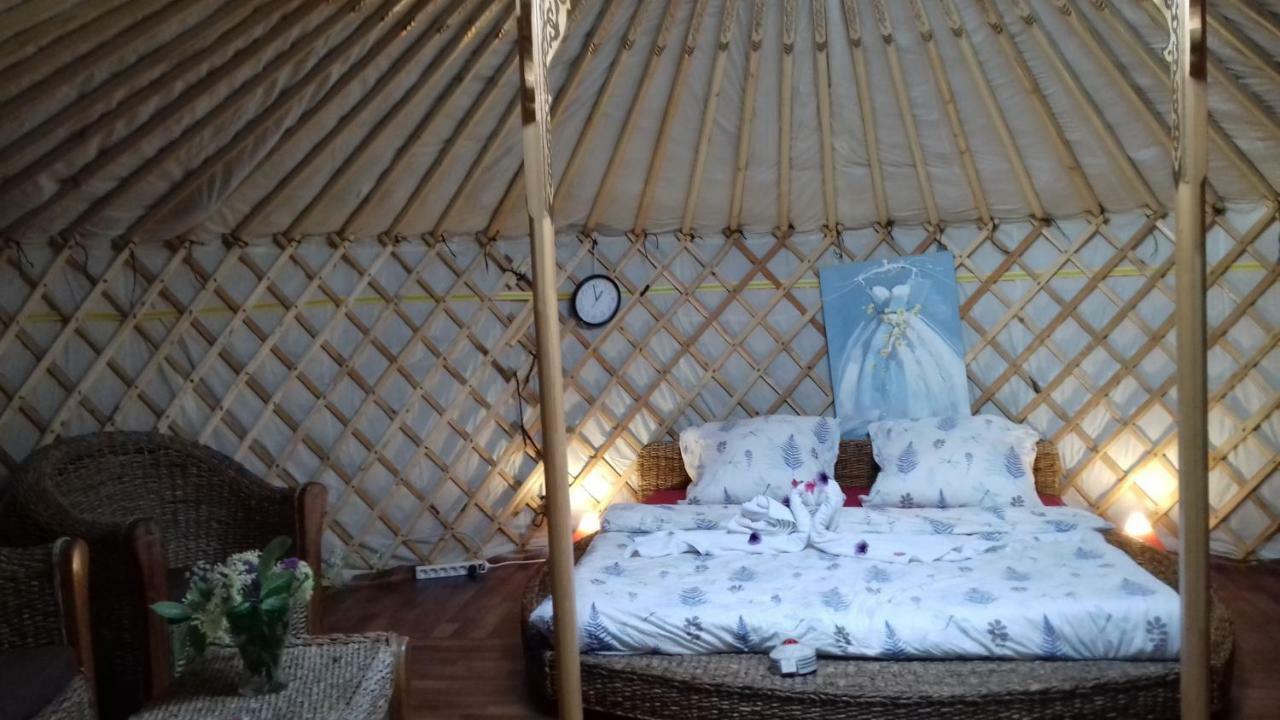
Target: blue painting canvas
{"points": [[893, 340]]}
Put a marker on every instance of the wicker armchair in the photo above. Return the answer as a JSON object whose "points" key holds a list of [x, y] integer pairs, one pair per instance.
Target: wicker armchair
{"points": [[45, 646], [151, 506]]}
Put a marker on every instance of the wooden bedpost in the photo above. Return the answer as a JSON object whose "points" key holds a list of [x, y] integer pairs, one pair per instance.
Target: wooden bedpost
{"points": [[1190, 130], [541, 25]]}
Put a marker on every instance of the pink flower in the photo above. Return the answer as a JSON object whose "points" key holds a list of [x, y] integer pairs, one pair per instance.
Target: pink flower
{"points": [[810, 486], [795, 482]]}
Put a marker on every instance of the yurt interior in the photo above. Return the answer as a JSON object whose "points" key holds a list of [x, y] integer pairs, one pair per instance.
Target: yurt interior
{"points": [[657, 359]]}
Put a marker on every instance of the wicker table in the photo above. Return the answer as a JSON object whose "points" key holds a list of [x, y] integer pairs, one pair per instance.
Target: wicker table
{"points": [[346, 677]]}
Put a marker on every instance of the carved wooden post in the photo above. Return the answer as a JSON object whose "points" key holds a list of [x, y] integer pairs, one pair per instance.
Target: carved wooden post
{"points": [[541, 26], [1190, 130]]}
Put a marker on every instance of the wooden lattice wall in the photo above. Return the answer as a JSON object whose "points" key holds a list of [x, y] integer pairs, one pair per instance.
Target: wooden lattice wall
{"points": [[398, 373]]}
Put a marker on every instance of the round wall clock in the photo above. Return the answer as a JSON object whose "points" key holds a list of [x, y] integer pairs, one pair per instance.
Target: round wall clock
{"points": [[596, 300]]}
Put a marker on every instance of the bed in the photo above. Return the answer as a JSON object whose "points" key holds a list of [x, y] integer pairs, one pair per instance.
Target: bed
{"points": [[739, 684]]}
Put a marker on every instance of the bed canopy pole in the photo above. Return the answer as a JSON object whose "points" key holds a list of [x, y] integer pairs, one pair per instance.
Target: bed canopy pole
{"points": [[1190, 137], [541, 24]]}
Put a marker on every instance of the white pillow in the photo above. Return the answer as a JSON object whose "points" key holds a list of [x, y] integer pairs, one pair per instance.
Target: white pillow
{"points": [[953, 462], [735, 460]]}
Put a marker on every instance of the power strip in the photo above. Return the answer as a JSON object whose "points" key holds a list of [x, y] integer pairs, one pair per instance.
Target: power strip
{"points": [[432, 572]]}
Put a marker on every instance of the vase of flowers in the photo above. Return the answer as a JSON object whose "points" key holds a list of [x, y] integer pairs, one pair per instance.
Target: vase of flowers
{"points": [[244, 602]]}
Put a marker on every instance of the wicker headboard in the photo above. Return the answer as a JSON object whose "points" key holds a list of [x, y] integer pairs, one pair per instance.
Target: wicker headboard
{"points": [[660, 467]]}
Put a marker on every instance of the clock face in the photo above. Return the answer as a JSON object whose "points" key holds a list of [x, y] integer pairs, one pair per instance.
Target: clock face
{"points": [[596, 300]]}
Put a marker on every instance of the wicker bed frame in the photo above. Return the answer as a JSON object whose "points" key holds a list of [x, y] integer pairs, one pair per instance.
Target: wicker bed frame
{"points": [[741, 686]]}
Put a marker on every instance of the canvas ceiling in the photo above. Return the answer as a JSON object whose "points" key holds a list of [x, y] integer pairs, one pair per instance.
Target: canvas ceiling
{"points": [[153, 119], [327, 177]]}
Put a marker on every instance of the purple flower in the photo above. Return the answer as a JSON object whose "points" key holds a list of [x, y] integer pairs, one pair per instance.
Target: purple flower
{"points": [[753, 538], [289, 564], [823, 478], [786, 501], [861, 547]]}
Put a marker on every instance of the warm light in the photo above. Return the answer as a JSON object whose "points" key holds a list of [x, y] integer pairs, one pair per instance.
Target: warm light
{"points": [[589, 524], [1138, 526]]}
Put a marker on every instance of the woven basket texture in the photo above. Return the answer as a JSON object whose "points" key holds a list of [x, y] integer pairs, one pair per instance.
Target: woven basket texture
{"points": [[73, 703], [206, 505], [337, 677], [30, 603], [660, 467]]}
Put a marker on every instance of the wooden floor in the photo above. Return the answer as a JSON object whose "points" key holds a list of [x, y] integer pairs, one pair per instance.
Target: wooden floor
{"points": [[465, 659]]}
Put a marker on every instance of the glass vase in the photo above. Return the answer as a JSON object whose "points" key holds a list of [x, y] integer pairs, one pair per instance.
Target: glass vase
{"points": [[261, 650]]}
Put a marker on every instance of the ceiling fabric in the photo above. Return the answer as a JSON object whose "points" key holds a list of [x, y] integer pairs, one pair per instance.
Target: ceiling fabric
{"points": [[153, 119]]}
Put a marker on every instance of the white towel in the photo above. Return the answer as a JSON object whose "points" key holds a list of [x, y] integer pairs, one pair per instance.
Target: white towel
{"points": [[763, 515]]}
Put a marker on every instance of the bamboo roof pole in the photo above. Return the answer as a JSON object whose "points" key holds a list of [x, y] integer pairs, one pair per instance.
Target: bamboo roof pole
{"points": [[674, 96], [65, 44], [600, 26], [633, 114], [466, 37], [948, 100], [222, 114], [121, 147], [853, 30], [1260, 17], [583, 139], [727, 21], [535, 46], [822, 77], [994, 111], [1066, 156], [392, 173], [1111, 65], [24, 22], [475, 108], [1245, 46], [1102, 128], [491, 145], [1191, 114], [1129, 36], [301, 166], [278, 108], [159, 69], [743, 157], [1222, 78], [901, 94], [784, 114]]}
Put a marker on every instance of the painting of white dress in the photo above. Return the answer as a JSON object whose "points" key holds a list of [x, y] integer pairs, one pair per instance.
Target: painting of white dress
{"points": [[893, 340]]}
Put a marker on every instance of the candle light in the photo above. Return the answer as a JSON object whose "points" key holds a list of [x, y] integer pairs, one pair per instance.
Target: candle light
{"points": [[1138, 526], [589, 524]]}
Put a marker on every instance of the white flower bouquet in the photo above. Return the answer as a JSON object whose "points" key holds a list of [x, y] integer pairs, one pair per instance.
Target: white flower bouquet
{"points": [[244, 601]]}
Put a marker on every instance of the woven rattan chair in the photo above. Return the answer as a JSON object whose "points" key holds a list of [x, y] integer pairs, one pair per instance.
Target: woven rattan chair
{"points": [[741, 685], [45, 644], [150, 506]]}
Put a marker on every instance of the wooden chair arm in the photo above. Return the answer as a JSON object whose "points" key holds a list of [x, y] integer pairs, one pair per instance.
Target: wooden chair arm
{"points": [[146, 548], [73, 592], [310, 504]]}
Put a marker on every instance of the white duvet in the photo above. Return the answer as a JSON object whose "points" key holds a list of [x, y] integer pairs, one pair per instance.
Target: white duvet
{"points": [[888, 583]]}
